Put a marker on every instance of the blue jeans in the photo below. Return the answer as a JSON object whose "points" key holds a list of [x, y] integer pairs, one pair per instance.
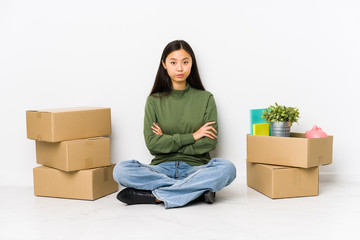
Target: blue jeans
{"points": [[175, 183]]}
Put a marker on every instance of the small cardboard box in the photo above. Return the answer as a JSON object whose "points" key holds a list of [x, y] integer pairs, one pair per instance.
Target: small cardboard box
{"points": [[294, 151], [74, 155], [283, 182], [63, 124], [87, 184]]}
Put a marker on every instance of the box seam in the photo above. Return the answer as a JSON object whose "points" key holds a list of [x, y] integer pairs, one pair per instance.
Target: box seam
{"points": [[272, 183], [67, 157], [52, 127]]}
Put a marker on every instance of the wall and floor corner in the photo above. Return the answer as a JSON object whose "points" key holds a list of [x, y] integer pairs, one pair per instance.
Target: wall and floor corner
{"points": [[250, 54]]}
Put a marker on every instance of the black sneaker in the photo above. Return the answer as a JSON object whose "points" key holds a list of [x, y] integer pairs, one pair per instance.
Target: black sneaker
{"points": [[209, 197], [132, 196]]}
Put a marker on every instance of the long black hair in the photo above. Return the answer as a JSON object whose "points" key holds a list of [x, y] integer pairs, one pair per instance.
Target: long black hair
{"points": [[162, 84]]}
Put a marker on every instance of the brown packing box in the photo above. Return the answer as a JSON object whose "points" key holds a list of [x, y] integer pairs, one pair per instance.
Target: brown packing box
{"points": [[295, 151], [74, 154], [87, 184], [58, 125], [283, 182]]}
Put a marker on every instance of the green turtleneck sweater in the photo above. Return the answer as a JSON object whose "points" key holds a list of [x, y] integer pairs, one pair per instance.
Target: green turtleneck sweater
{"points": [[179, 115]]}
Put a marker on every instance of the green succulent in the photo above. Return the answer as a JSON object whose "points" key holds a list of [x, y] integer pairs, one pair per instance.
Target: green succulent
{"points": [[279, 113]]}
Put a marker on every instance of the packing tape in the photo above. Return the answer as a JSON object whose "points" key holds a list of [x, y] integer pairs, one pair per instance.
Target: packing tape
{"points": [[106, 174]]}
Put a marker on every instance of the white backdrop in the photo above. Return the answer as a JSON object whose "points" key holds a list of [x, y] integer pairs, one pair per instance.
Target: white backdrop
{"points": [[250, 54]]}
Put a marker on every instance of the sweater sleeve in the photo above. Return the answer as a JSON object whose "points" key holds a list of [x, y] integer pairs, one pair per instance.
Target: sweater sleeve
{"points": [[204, 144], [162, 144]]}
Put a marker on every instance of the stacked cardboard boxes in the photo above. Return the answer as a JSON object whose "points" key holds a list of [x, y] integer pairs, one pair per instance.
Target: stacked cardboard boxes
{"points": [[73, 146], [282, 167]]}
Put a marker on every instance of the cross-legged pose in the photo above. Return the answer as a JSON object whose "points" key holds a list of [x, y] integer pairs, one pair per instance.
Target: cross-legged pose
{"points": [[180, 129]]}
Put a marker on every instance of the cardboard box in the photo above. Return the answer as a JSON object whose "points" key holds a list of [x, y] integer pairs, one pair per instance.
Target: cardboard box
{"points": [[295, 151], [87, 184], [283, 182], [74, 154], [63, 124]]}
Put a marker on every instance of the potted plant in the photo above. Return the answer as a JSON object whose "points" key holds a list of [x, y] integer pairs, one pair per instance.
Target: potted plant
{"points": [[281, 119]]}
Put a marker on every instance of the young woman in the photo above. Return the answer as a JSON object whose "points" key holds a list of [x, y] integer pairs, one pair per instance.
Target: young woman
{"points": [[180, 129]]}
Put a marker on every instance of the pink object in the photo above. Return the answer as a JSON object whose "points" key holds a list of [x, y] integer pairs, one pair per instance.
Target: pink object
{"points": [[315, 132]]}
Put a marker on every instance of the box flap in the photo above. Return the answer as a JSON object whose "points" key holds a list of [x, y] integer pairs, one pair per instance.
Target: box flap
{"points": [[85, 139], [69, 109], [274, 167], [297, 135]]}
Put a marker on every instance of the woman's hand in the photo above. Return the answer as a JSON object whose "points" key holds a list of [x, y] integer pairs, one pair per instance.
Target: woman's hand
{"points": [[205, 131], [156, 129]]}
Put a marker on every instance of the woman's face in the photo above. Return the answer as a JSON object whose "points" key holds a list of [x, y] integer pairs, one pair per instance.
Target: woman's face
{"points": [[178, 66]]}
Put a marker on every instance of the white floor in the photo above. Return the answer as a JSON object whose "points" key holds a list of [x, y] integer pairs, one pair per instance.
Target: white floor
{"points": [[239, 213]]}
